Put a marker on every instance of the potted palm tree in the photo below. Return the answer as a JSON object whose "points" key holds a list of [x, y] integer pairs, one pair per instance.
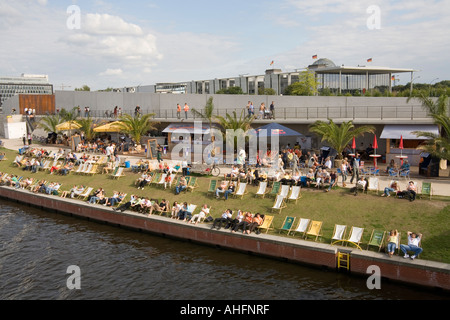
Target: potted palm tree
{"points": [[339, 136]]}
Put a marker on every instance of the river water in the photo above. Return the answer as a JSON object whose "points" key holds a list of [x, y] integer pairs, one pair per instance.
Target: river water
{"points": [[38, 247]]}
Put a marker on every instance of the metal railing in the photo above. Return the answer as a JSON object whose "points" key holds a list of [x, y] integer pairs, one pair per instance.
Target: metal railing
{"points": [[379, 113]]}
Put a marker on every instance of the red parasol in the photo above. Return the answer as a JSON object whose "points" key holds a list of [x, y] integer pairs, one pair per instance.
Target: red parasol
{"points": [[401, 143], [354, 143], [375, 143]]}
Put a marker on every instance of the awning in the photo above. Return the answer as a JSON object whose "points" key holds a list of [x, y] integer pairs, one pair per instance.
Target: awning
{"points": [[191, 128], [397, 131]]}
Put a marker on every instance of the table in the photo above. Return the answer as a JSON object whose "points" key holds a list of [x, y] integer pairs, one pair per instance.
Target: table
{"points": [[402, 158], [375, 157]]}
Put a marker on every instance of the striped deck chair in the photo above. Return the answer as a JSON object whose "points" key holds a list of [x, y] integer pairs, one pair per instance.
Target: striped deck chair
{"points": [[302, 227], [314, 229]]}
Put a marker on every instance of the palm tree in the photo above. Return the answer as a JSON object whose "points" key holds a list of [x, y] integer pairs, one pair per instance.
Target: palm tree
{"points": [[137, 126], [49, 123], [232, 122], [437, 145], [208, 112], [69, 116], [87, 126], [339, 136], [207, 115]]}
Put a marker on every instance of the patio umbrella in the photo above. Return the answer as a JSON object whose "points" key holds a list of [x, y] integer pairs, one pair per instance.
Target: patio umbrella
{"points": [[69, 125], [375, 155], [353, 148], [401, 143], [110, 127]]}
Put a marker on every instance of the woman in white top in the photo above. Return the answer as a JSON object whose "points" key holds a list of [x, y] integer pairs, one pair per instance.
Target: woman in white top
{"points": [[344, 173], [200, 216]]}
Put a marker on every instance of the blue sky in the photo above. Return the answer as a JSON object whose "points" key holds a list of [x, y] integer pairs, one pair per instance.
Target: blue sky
{"points": [[127, 43]]}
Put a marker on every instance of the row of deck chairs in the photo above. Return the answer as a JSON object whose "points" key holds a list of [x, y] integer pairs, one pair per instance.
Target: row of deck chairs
{"points": [[313, 229]]}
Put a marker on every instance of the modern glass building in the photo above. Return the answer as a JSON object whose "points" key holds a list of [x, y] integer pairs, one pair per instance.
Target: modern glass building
{"points": [[25, 84]]}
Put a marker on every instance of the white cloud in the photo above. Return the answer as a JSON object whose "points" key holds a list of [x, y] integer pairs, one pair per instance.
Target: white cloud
{"points": [[105, 24], [112, 72]]}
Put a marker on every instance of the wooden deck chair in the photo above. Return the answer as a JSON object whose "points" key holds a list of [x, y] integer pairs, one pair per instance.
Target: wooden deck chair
{"points": [[80, 168], [173, 177], [262, 190], [376, 239], [242, 190], [287, 225], [49, 165], [102, 160], [162, 179], [193, 184], [94, 170], [267, 223], [156, 178], [284, 191], [314, 229], [355, 236], [426, 190], [275, 189], [87, 168], [119, 173], [280, 203], [212, 187], [85, 194], [45, 165], [302, 227], [338, 233], [373, 185], [295, 194], [118, 204]]}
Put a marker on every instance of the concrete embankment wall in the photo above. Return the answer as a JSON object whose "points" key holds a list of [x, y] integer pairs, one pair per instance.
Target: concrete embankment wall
{"points": [[419, 272]]}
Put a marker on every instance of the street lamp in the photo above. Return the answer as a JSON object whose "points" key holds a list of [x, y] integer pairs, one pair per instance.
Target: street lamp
{"points": [[410, 93], [431, 83]]}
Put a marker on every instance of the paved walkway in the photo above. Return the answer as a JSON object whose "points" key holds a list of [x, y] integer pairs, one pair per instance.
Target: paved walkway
{"points": [[440, 186]]}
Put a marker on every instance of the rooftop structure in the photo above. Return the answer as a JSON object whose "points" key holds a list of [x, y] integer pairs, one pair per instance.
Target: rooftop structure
{"points": [[25, 84]]}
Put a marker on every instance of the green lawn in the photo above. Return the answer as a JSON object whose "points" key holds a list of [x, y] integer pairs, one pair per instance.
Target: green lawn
{"points": [[368, 211]]}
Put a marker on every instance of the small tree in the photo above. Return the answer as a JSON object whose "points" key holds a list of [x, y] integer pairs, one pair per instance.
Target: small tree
{"points": [[306, 86]]}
